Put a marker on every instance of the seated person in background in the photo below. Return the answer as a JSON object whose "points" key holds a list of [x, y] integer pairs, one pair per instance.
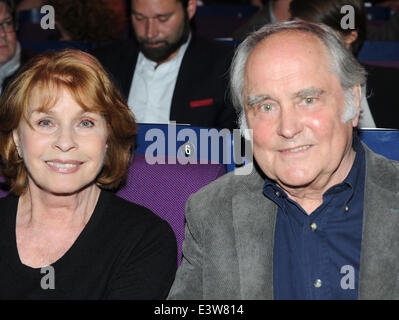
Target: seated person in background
{"points": [[319, 206], [11, 55], [272, 11], [29, 4], [66, 136], [167, 73], [329, 13], [389, 30], [381, 83], [95, 21]]}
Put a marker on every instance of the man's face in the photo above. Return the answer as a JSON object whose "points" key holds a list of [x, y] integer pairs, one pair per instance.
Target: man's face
{"points": [[161, 27], [8, 40], [294, 104]]}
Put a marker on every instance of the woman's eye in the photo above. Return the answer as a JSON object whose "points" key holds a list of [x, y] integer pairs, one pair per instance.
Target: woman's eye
{"points": [[44, 123], [87, 123]]}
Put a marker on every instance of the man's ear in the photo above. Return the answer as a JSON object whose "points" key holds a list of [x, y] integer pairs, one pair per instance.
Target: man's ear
{"points": [[191, 8], [357, 97]]}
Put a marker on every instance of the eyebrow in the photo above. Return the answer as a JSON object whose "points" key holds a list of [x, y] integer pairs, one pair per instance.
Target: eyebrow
{"points": [[51, 112], [254, 99], [308, 92], [156, 16]]}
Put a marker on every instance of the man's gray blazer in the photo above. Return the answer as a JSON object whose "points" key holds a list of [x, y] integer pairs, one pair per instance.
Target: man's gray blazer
{"points": [[228, 246]]}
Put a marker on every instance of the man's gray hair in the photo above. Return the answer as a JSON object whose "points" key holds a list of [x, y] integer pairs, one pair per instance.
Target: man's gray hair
{"points": [[343, 63]]}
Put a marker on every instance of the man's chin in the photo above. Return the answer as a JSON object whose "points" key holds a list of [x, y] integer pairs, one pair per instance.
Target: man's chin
{"points": [[157, 53]]}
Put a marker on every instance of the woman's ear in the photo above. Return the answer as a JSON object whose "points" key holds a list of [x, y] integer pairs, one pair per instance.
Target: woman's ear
{"points": [[191, 8], [16, 139], [350, 38]]}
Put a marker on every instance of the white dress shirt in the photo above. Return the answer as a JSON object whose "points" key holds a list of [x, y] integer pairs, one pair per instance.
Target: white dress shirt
{"points": [[152, 88]]}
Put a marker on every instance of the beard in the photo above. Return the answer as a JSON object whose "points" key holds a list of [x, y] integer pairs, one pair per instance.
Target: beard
{"points": [[166, 47]]}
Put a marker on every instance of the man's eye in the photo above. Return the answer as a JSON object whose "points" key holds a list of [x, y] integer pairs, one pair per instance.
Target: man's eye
{"points": [[309, 100], [163, 18], [138, 18], [266, 107]]}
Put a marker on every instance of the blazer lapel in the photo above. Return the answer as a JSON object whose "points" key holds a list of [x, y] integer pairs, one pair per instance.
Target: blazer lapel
{"points": [[254, 219], [379, 267], [127, 70]]}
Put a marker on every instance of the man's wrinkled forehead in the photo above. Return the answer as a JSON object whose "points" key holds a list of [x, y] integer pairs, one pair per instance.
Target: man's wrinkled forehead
{"points": [[289, 42], [275, 54]]}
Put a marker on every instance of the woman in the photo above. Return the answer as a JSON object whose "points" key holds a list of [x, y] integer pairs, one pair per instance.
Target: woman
{"points": [[329, 13], [66, 136]]}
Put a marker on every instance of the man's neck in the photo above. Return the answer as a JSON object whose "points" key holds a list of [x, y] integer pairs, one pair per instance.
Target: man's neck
{"points": [[174, 54]]}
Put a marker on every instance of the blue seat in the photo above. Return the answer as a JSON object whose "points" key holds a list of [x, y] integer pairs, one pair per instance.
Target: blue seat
{"points": [[56, 45], [226, 11], [384, 142], [379, 51], [221, 21], [378, 13]]}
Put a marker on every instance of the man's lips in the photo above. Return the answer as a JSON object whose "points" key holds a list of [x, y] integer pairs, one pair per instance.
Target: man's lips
{"points": [[296, 149], [154, 45]]}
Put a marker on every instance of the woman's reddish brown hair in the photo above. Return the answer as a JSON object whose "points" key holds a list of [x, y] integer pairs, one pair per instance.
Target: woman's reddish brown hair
{"points": [[88, 83]]}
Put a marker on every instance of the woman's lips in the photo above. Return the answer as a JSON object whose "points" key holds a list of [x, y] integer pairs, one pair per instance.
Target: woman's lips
{"points": [[64, 166]]}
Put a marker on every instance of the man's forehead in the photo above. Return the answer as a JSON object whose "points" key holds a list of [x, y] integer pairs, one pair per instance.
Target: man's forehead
{"points": [[290, 42], [285, 52], [4, 11], [154, 6]]}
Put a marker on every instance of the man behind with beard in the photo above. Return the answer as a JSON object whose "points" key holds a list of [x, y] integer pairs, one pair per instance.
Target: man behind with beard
{"points": [[167, 73]]}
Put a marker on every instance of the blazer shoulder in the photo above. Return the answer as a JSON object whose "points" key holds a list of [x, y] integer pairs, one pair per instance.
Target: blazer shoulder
{"points": [[382, 171], [247, 179]]}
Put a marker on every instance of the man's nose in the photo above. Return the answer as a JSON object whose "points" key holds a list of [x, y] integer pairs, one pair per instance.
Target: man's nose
{"points": [[2, 32], [151, 28], [65, 140], [290, 123]]}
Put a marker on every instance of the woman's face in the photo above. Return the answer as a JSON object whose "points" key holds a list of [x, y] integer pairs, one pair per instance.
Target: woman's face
{"points": [[64, 148]]}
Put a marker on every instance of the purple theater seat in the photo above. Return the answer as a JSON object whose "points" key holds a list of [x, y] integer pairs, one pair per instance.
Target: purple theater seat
{"points": [[165, 188]]}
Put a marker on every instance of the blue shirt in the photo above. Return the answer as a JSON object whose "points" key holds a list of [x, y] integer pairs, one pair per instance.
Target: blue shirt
{"points": [[317, 256]]}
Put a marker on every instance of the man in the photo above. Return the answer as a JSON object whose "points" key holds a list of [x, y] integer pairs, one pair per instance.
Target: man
{"points": [[168, 74], [10, 50], [318, 217]]}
